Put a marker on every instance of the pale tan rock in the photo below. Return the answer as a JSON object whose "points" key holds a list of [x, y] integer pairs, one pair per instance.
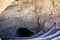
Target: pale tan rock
{"points": [[31, 10], [4, 4]]}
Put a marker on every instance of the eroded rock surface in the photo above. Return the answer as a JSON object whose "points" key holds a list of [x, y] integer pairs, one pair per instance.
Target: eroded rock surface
{"points": [[30, 10]]}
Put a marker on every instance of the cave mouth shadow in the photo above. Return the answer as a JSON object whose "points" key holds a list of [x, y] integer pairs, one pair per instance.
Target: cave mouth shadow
{"points": [[24, 32]]}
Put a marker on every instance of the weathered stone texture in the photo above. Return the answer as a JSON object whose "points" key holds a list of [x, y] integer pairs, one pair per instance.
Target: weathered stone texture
{"points": [[30, 10]]}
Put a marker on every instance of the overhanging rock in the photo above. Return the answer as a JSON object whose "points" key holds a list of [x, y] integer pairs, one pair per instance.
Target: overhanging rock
{"points": [[4, 4]]}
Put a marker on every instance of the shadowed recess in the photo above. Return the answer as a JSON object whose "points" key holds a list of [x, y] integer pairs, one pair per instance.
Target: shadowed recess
{"points": [[24, 32]]}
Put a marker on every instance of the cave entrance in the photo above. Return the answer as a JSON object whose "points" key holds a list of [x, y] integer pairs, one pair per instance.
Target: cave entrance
{"points": [[24, 32]]}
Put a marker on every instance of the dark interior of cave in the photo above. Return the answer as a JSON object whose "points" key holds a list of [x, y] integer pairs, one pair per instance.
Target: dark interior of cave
{"points": [[24, 32]]}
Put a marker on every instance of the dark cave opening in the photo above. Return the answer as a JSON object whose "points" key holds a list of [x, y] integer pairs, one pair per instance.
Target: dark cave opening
{"points": [[24, 32]]}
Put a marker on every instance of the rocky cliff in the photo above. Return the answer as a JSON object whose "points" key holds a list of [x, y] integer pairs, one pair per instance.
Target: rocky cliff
{"points": [[29, 11]]}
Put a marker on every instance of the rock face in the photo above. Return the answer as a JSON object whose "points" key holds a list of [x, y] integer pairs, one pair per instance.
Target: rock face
{"points": [[4, 4], [30, 10]]}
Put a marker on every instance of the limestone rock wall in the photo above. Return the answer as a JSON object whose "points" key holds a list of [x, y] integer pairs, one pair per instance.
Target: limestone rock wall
{"points": [[30, 10], [39, 8], [4, 4]]}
